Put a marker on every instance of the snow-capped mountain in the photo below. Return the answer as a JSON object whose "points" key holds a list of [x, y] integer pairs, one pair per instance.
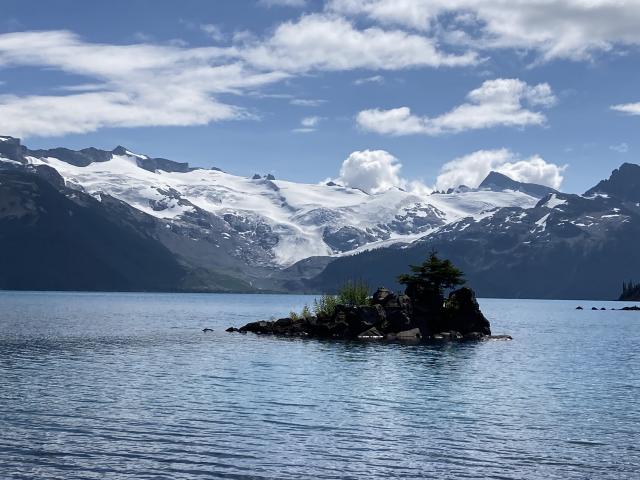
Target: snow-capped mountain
{"points": [[566, 246], [269, 222], [122, 220]]}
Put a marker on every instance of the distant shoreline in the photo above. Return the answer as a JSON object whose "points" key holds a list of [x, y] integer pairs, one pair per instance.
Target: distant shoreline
{"points": [[175, 292]]}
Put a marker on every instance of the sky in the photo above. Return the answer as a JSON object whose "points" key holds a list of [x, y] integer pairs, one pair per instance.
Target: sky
{"points": [[417, 94]]}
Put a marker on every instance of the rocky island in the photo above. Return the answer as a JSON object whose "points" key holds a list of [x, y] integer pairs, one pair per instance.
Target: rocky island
{"points": [[421, 313]]}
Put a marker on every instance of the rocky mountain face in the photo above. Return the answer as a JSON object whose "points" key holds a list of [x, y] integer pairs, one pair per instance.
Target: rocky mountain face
{"points": [[207, 230], [566, 246], [258, 230]]}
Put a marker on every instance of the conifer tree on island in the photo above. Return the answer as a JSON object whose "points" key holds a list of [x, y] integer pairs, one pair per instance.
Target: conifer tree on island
{"points": [[432, 278]]}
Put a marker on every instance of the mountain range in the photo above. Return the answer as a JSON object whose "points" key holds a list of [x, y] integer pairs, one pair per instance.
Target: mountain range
{"points": [[117, 220]]}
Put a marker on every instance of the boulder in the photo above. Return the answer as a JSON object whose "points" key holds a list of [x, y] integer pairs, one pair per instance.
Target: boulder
{"points": [[382, 296], [579, 308], [462, 313], [372, 333], [413, 334]]}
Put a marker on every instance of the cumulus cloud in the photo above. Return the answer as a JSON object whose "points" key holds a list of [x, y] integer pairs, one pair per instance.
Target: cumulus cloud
{"points": [[472, 169], [372, 171], [569, 29], [499, 102], [628, 108]]}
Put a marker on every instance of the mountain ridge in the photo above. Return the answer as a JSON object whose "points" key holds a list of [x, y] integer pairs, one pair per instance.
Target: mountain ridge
{"points": [[263, 234]]}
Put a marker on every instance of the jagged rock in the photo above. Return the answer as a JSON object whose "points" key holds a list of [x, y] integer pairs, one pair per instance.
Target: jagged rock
{"points": [[373, 332], [462, 313], [381, 296]]}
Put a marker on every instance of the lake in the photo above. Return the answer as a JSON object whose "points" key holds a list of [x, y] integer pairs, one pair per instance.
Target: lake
{"points": [[127, 386]]}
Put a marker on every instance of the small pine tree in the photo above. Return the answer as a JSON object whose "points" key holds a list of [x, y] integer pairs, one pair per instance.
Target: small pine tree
{"points": [[432, 277]]}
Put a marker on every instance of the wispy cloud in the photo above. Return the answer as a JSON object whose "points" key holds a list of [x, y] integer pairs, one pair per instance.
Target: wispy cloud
{"points": [[568, 29], [308, 124], [283, 3], [379, 79], [142, 85], [620, 147], [628, 108], [307, 102]]}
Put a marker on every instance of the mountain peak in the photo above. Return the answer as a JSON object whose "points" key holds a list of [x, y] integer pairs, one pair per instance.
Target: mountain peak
{"points": [[11, 148], [624, 184], [498, 182], [120, 150]]}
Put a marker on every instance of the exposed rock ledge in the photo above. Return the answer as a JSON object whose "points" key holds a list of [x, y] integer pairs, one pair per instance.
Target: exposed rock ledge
{"points": [[390, 317]]}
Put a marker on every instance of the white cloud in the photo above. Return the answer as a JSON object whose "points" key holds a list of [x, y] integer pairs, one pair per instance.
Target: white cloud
{"points": [[282, 3], [572, 29], [620, 148], [497, 102], [629, 108], [308, 125], [148, 85], [325, 42], [213, 31], [379, 79], [472, 169], [133, 85], [310, 121], [372, 171], [307, 102]]}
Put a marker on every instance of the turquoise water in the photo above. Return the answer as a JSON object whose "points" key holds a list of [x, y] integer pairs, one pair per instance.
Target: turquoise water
{"points": [[126, 386]]}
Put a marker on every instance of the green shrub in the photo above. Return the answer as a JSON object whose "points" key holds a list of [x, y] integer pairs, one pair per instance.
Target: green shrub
{"points": [[306, 312], [354, 293], [325, 305], [294, 315]]}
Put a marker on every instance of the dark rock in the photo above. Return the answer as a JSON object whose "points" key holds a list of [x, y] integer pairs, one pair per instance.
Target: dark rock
{"points": [[396, 317], [207, 330], [579, 308], [632, 308], [372, 333], [231, 329], [413, 334], [381, 296], [270, 177], [474, 336], [594, 308], [602, 308], [256, 177], [462, 313]]}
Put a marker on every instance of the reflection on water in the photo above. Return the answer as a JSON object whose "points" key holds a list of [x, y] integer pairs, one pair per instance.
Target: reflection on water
{"points": [[126, 386]]}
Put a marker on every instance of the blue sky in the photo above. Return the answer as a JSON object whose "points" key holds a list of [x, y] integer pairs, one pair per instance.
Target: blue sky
{"points": [[295, 87]]}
